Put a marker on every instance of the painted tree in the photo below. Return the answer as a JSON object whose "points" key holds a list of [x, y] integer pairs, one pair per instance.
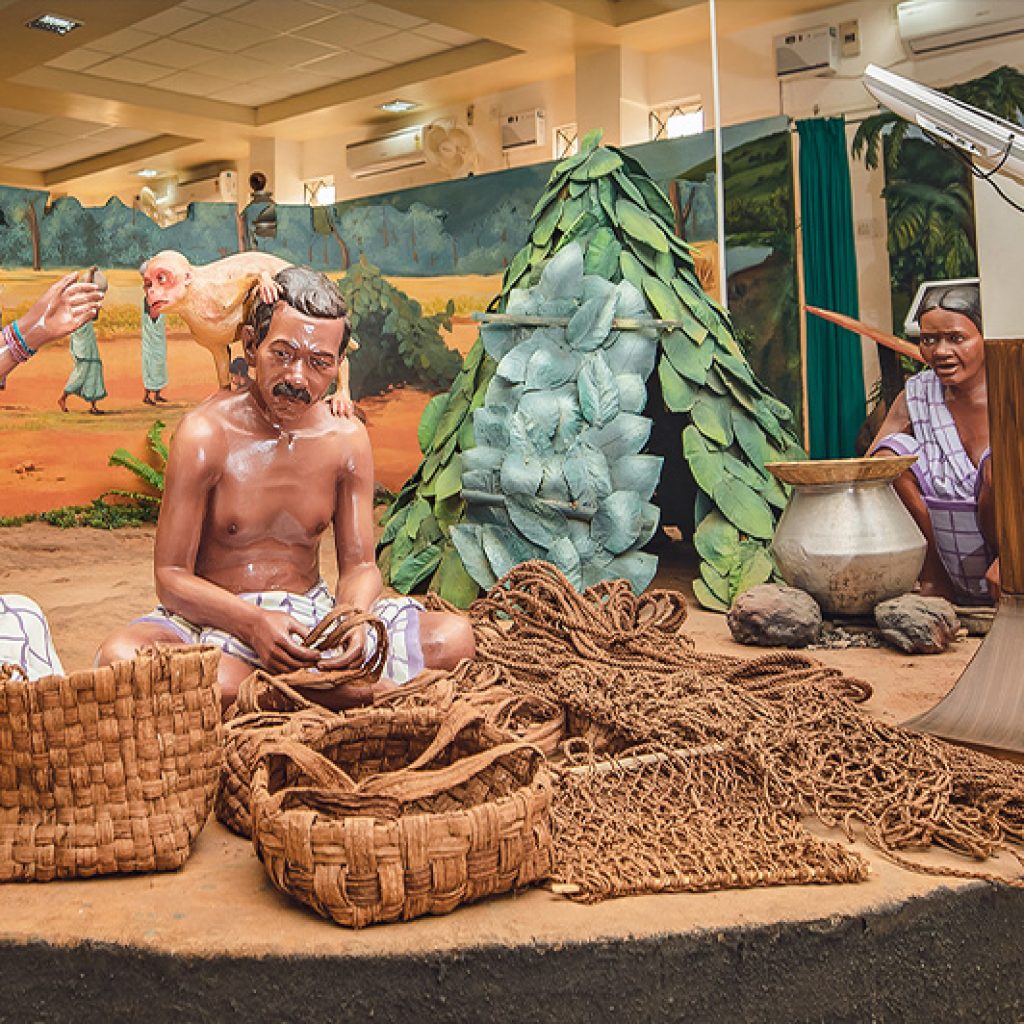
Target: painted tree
{"points": [[730, 425]]}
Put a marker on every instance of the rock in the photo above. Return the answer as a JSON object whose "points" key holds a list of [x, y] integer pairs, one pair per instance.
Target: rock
{"points": [[916, 624], [770, 615]]}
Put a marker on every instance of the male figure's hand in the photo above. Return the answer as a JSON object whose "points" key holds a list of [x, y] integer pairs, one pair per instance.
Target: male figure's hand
{"points": [[351, 652], [276, 639]]}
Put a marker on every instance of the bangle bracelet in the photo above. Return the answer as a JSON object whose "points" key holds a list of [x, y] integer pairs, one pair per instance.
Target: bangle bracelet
{"points": [[18, 350], [29, 351]]}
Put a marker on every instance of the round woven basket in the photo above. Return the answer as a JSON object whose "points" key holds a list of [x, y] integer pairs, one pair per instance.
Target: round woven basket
{"points": [[109, 770], [840, 471], [392, 813]]}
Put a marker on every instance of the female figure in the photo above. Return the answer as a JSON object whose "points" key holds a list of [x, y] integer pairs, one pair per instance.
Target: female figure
{"points": [[154, 355], [941, 416]]}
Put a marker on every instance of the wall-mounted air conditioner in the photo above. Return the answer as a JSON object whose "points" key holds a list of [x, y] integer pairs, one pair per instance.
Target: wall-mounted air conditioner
{"points": [[215, 186], [807, 53], [527, 128], [935, 26], [395, 152]]}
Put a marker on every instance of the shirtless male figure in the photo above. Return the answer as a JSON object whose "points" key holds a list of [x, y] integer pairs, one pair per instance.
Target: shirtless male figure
{"points": [[253, 480]]}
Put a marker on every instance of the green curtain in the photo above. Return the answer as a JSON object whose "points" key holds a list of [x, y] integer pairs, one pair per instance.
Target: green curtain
{"points": [[835, 374]]}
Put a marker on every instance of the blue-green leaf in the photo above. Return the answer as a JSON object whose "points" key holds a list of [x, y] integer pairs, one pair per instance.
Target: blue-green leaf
{"points": [[586, 473], [639, 473], [468, 541], [638, 567], [535, 519], [521, 475], [562, 277], [599, 396], [563, 555], [590, 324], [505, 549], [549, 368], [632, 392], [625, 435], [617, 523]]}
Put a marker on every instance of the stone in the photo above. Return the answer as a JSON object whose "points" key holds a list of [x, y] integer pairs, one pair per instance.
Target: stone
{"points": [[916, 624], [771, 615]]}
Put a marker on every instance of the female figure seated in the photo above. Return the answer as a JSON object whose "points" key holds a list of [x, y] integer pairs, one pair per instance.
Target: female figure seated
{"points": [[941, 416]]}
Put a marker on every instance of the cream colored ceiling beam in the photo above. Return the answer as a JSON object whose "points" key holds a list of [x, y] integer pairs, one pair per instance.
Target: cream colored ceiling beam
{"points": [[19, 178], [28, 47], [385, 81], [68, 94], [617, 14], [134, 154]]}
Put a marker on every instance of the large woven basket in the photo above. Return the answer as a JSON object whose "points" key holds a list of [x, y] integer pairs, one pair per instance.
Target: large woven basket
{"points": [[400, 813], [109, 770], [266, 709]]}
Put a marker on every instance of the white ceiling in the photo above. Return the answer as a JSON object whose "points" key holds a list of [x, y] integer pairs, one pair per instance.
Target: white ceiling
{"points": [[198, 80]]}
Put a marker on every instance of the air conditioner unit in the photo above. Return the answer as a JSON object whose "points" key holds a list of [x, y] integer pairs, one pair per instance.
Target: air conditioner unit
{"points": [[395, 152], [808, 53], [935, 26], [527, 128], [220, 186]]}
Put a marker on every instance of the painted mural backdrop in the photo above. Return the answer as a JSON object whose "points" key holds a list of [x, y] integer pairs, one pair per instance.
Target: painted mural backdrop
{"points": [[413, 263]]}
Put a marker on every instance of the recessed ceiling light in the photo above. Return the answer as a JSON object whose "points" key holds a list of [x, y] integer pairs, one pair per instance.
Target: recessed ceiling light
{"points": [[54, 23], [398, 106], [147, 172]]}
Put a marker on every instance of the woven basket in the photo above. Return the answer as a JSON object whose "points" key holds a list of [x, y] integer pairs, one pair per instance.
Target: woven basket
{"points": [[266, 708], [400, 813], [109, 770]]}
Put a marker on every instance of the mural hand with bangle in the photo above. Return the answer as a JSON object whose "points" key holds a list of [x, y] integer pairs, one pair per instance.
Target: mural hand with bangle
{"points": [[64, 307]]}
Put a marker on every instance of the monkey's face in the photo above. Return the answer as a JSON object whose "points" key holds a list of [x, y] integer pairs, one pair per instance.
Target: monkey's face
{"points": [[165, 285]]}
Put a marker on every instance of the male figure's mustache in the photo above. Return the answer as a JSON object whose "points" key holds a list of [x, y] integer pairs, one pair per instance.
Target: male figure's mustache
{"points": [[285, 390]]}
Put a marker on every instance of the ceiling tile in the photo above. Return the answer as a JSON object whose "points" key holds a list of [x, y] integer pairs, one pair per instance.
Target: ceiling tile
{"points": [[8, 152], [222, 34], [287, 51], [173, 54], [387, 16], [403, 47], [250, 94], [340, 5], [345, 65], [70, 127], [192, 84], [123, 69], [346, 30], [213, 6], [19, 118], [452, 36], [114, 138], [274, 16], [77, 60], [122, 42], [35, 137], [170, 20], [290, 83], [233, 67]]}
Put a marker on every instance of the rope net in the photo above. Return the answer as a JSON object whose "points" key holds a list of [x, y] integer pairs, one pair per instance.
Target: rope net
{"points": [[684, 771]]}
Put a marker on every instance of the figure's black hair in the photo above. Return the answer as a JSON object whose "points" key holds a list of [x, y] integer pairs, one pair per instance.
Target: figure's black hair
{"points": [[308, 292], [955, 298]]}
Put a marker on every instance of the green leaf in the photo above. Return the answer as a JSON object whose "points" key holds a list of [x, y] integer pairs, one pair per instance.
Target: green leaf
{"points": [[742, 471], [453, 582], [718, 542], [586, 473], [750, 438], [416, 568], [711, 415], [715, 582], [656, 200], [451, 420], [755, 567], [550, 367], [449, 480], [598, 164], [468, 541], [428, 533], [706, 598], [590, 324], [429, 420], [774, 493], [535, 519], [505, 549], [632, 270], [521, 475], [638, 223], [690, 360], [679, 394], [743, 507], [617, 522], [598, 394], [664, 300], [156, 442], [602, 256], [639, 473], [545, 227], [632, 392], [516, 268], [705, 462], [625, 435], [563, 555], [396, 522]]}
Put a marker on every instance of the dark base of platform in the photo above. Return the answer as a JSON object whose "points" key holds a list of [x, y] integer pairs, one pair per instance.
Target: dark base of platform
{"points": [[950, 956]]}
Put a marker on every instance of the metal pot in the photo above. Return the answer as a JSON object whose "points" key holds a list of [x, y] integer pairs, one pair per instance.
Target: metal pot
{"points": [[845, 536]]}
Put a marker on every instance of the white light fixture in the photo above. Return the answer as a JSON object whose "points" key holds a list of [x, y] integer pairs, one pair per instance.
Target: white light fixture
{"points": [[147, 172], [398, 106], [55, 23]]}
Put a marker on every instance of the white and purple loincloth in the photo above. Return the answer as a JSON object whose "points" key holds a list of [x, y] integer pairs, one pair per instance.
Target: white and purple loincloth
{"points": [[949, 483], [401, 618], [25, 638]]}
